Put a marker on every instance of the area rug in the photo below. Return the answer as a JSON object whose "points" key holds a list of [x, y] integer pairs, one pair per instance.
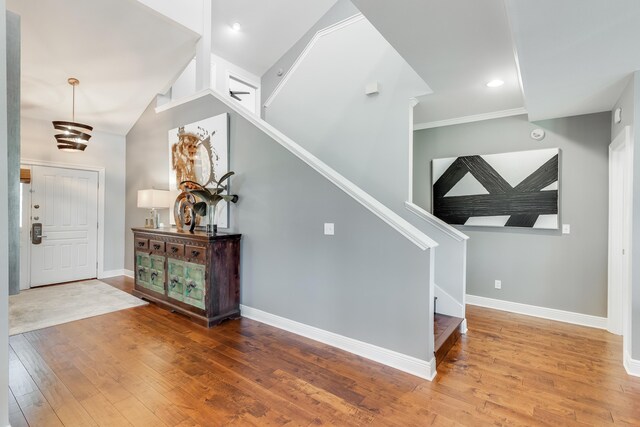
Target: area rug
{"points": [[52, 305]]}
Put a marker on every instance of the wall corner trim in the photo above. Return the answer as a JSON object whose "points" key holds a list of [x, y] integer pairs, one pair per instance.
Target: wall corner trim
{"points": [[414, 366], [387, 215], [436, 222], [536, 311], [632, 366], [128, 273], [471, 119]]}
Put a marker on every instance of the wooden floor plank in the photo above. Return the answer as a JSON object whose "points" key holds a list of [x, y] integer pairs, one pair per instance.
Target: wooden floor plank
{"points": [[149, 367]]}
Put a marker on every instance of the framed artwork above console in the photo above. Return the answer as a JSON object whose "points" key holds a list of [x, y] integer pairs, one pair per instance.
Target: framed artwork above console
{"points": [[199, 152]]}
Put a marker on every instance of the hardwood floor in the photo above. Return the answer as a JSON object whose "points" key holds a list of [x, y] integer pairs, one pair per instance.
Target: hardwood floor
{"points": [[147, 367]]}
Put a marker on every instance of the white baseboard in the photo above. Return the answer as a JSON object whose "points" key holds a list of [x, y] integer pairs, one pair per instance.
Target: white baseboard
{"points": [[543, 312], [402, 362], [447, 304], [463, 327], [128, 273], [632, 366], [112, 273]]}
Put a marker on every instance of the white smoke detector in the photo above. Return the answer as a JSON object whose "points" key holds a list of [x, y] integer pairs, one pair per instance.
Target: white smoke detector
{"points": [[538, 134]]}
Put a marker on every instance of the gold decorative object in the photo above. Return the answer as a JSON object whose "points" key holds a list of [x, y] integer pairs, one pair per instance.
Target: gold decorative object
{"points": [[184, 213]]}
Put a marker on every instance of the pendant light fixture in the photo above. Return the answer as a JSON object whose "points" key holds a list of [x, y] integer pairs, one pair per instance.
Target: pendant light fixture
{"points": [[74, 136]]}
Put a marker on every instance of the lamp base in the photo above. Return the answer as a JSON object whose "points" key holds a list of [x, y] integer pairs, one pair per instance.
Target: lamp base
{"points": [[153, 221]]}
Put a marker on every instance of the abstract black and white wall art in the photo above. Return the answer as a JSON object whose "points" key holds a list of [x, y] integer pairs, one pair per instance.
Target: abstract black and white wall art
{"points": [[518, 189]]}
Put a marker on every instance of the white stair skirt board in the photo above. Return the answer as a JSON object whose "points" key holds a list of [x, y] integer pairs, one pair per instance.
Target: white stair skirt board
{"points": [[387, 215], [632, 366], [450, 230], [447, 304], [402, 362], [542, 312]]}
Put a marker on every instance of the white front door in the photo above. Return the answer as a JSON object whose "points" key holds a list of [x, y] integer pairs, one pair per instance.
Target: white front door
{"points": [[65, 202]]}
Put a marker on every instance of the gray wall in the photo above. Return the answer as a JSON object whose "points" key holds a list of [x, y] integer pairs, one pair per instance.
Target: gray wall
{"points": [[537, 267], [13, 142], [367, 282], [630, 103], [341, 10], [365, 138], [4, 218]]}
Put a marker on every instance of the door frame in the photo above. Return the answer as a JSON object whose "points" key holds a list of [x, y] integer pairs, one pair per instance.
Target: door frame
{"points": [[242, 78], [101, 194], [619, 294], [25, 275]]}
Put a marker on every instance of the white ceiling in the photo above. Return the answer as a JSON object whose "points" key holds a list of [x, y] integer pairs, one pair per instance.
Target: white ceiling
{"points": [[269, 29], [456, 46], [575, 55], [123, 53]]}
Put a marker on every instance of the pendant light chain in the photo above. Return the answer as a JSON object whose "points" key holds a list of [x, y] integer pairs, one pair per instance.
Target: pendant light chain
{"points": [[73, 104]]}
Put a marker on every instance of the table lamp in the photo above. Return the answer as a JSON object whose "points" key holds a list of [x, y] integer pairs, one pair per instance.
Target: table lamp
{"points": [[153, 199]]}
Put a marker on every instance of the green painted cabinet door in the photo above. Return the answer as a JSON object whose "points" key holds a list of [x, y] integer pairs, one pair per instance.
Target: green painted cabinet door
{"points": [[175, 282], [194, 284], [156, 273], [143, 275]]}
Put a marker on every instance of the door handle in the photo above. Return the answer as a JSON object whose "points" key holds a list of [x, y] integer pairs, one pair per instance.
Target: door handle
{"points": [[36, 233]]}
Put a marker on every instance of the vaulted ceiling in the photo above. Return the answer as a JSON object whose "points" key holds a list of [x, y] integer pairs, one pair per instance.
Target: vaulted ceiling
{"points": [[575, 56], [122, 52], [125, 52], [556, 57], [268, 29], [456, 46]]}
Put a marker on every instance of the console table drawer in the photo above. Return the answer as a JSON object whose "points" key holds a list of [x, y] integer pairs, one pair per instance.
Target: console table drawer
{"points": [[157, 246], [175, 249], [142, 244], [196, 253]]}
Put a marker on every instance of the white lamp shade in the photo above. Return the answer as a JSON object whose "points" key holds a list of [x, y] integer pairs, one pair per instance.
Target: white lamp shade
{"points": [[153, 199]]}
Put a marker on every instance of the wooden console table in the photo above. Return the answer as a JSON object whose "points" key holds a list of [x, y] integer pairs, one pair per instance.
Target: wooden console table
{"points": [[189, 273]]}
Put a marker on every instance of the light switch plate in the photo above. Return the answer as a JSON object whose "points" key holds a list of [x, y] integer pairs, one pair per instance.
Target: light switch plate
{"points": [[566, 228], [328, 228], [498, 284]]}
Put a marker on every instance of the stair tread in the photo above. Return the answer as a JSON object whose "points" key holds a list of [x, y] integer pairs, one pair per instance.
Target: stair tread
{"points": [[444, 326]]}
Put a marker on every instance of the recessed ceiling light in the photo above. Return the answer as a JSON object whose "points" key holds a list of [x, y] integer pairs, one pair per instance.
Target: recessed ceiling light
{"points": [[495, 83], [236, 26]]}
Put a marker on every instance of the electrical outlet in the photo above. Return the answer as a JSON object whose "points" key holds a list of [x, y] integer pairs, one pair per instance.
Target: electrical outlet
{"points": [[498, 284], [566, 228], [328, 229]]}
